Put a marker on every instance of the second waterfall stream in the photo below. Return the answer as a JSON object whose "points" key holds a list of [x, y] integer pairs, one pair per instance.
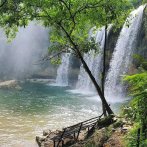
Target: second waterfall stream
{"points": [[123, 55], [94, 63]]}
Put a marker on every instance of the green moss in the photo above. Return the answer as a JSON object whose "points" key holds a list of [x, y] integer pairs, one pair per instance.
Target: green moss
{"points": [[109, 131], [117, 124], [106, 120]]}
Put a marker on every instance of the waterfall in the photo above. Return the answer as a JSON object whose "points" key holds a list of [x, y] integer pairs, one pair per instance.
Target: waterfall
{"points": [[84, 82], [62, 72], [95, 64], [122, 56]]}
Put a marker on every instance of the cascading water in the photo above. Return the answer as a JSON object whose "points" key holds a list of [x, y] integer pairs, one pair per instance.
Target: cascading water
{"points": [[122, 56], [62, 72], [94, 63]]}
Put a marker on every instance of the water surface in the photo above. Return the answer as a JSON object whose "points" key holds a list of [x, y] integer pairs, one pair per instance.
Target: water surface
{"points": [[27, 112]]}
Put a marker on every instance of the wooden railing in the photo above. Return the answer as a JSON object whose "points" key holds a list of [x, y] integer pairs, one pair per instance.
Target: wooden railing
{"points": [[75, 130]]}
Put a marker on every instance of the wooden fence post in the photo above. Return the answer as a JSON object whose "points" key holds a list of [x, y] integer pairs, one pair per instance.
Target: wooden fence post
{"points": [[138, 137], [79, 130]]}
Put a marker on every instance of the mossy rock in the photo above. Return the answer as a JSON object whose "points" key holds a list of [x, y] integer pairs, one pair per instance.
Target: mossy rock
{"points": [[106, 120], [118, 124]]}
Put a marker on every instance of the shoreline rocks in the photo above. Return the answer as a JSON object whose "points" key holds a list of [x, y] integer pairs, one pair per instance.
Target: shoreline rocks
{"points": [[45, 139], [45, 81], [11, 84], [111, 136]]}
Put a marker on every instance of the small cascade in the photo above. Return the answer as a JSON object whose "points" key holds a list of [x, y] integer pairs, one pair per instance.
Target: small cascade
{"points": [[123, 55], [62, 72], [94, 63]]}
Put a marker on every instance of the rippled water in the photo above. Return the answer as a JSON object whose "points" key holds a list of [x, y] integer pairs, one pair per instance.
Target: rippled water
{"points": [[25, 113]]}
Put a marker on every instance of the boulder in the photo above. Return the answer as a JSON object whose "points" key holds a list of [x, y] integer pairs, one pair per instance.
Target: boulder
{"points": [[45, 81], [40, 139], [46, 132], [11, 84]]}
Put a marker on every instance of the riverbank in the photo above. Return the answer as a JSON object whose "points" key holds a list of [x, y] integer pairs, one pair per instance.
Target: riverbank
{"points": [[11, 84], [111, 136], [44, 81]]}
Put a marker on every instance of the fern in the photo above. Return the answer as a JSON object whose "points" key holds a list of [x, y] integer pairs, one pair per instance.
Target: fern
{"points": [[138, 90]]}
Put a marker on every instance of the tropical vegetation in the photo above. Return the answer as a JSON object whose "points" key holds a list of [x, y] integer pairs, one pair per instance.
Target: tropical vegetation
{"points": [[69, 22], [137, 108]]}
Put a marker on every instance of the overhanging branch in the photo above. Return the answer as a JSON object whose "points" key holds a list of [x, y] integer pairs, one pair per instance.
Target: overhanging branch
{"points": [[3, 3], [71, 16]]}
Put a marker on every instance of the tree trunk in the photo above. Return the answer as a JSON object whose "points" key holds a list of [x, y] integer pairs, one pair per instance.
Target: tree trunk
{"points": [[98, 89], [103, 72]]}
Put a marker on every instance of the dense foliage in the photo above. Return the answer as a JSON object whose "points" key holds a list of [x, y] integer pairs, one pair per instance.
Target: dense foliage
{"points": [[137, 108], [135, 3], [68, 17]]}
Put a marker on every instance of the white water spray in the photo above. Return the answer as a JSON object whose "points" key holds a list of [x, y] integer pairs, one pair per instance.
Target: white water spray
{"points": [[95, 64], [17, 58], [62, 72], [123, 54]]}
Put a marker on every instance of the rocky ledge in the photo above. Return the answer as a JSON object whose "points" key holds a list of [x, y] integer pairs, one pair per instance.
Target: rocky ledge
{"points": [[111, 136], [11, 84], [45, 81]]}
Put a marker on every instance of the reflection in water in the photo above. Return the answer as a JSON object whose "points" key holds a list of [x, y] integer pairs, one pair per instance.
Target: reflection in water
{"points": [[25, 113]]}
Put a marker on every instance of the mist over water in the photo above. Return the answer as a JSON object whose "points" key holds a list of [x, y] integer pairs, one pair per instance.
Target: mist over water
{"points": [[17, 58]]}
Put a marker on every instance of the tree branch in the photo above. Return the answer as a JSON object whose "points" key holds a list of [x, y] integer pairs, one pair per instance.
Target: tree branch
{"points": [[96, 5], [46, 57], [71, 16], [69, 4], [3, 3]]}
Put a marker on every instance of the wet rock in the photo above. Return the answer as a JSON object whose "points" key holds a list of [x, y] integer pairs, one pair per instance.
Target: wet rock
{"points": [[48, 143], [35, 80], [46, 132], [58, 132], [40, 139], [97, 139], [11, 84], [126, 127]]}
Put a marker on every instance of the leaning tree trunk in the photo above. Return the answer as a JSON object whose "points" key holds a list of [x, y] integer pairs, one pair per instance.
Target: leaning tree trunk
{"points": [[98, 89], [103, 72]]}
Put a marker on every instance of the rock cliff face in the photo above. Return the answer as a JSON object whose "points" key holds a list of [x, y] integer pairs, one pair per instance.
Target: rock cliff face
{"points": [[111, 43], [142, 46]]}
